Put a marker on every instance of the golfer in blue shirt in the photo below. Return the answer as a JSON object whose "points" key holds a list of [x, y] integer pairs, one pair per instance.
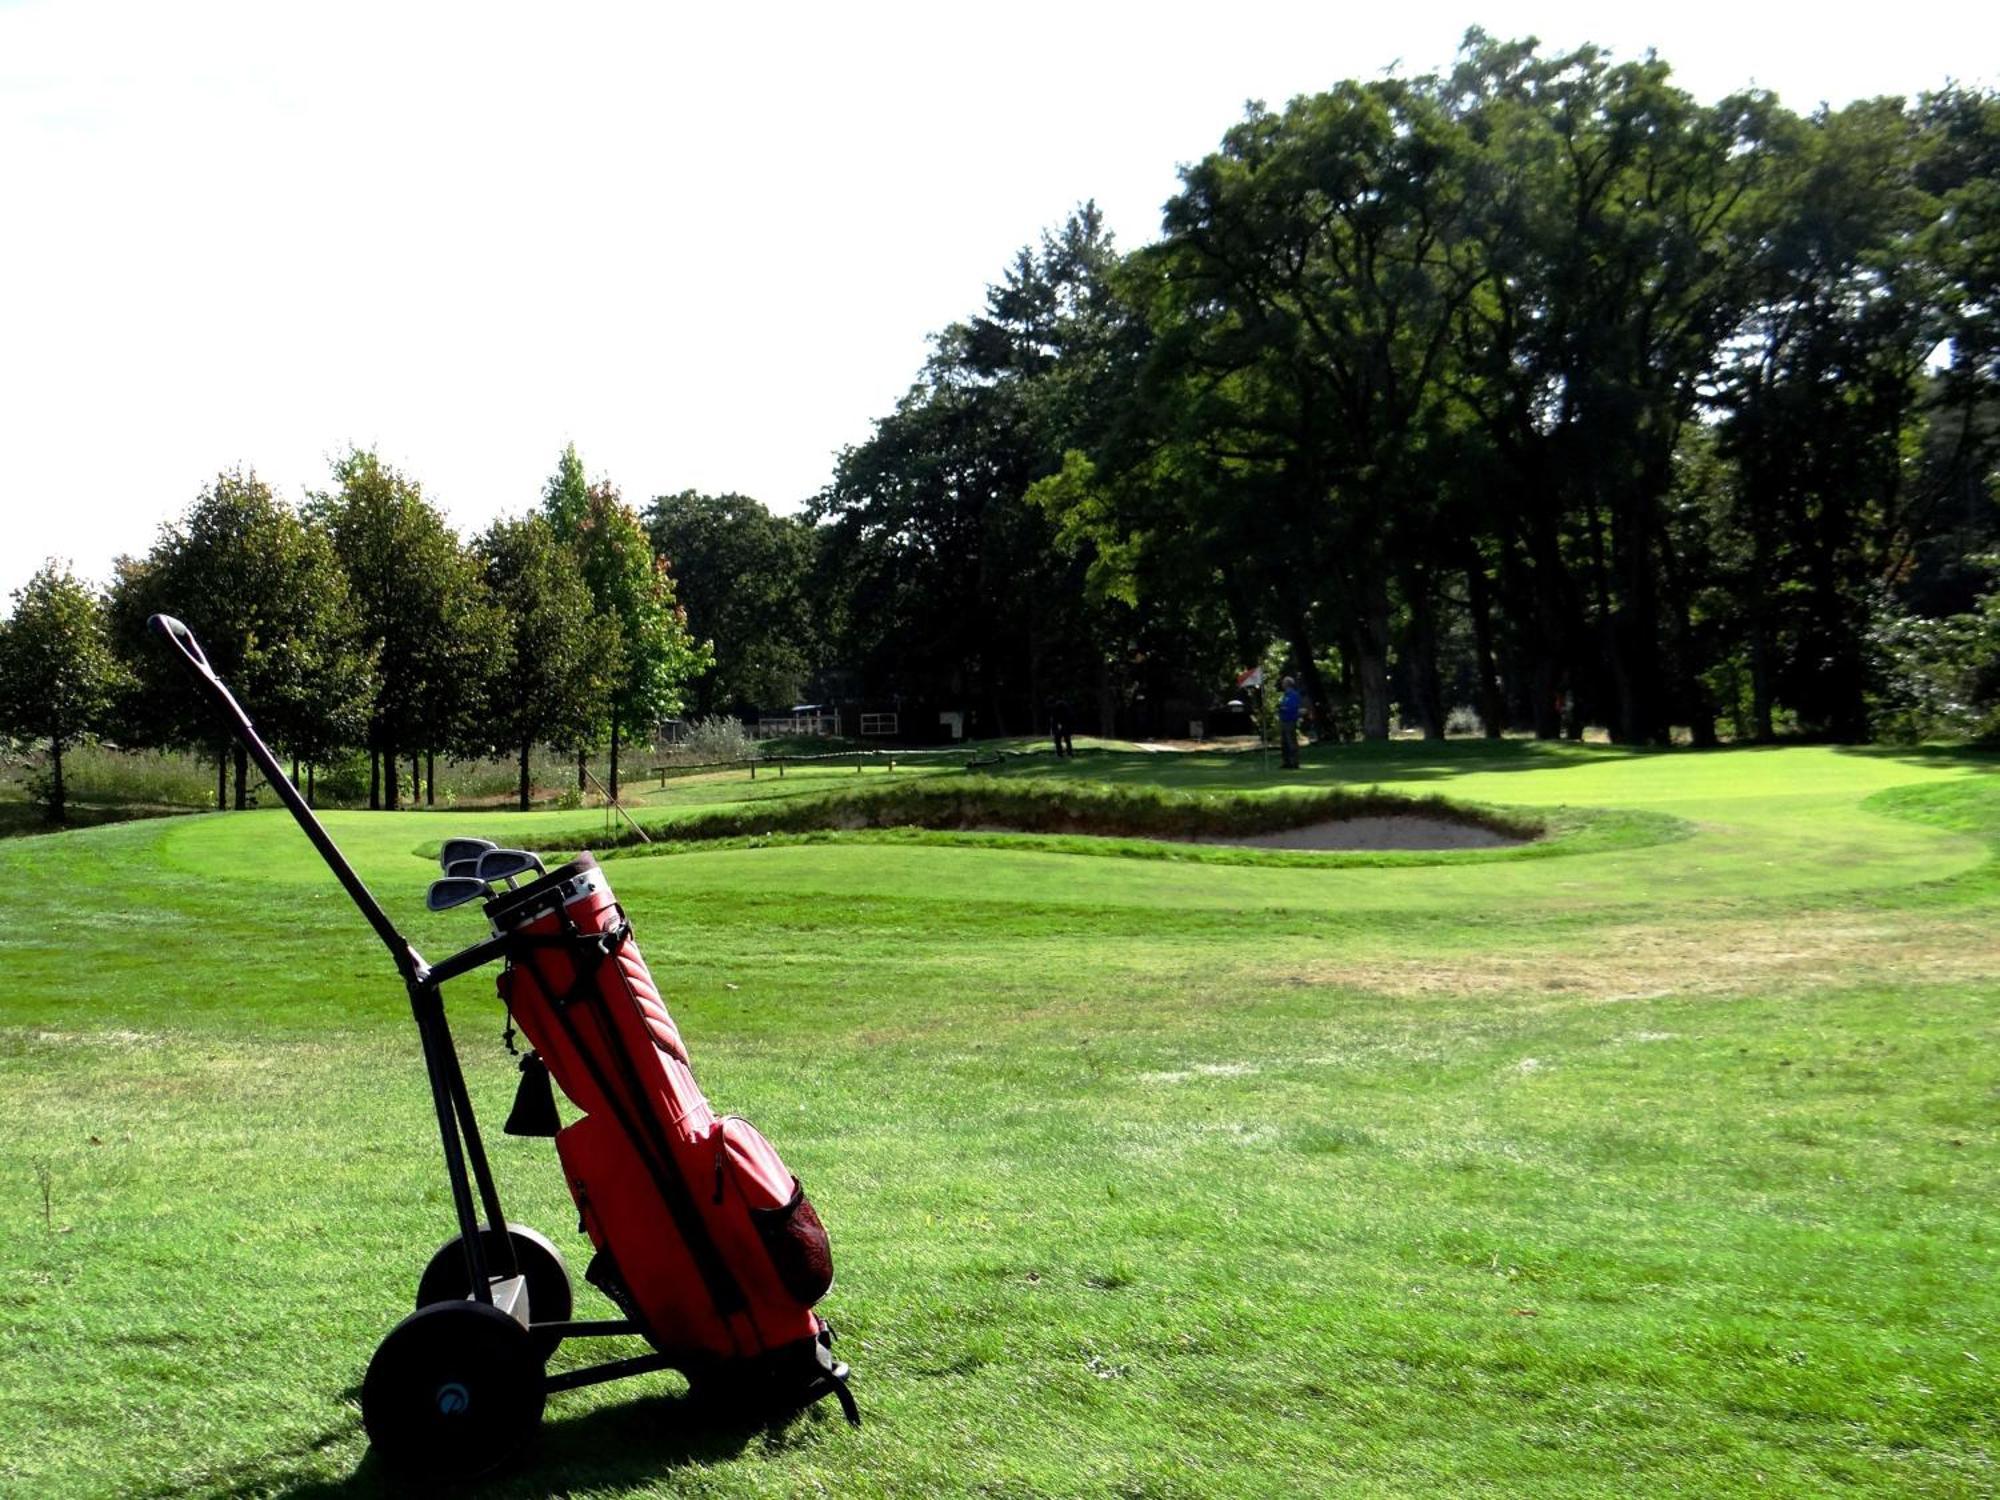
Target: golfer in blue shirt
{"points": [[1289, 708]]}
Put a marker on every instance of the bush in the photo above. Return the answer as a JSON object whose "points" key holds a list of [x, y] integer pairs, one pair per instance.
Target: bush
{"points": [[713, 739], [1936, 678]]}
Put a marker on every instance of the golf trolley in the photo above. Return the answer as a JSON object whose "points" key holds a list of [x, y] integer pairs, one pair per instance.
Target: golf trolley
{"points": [[703, 1240]]}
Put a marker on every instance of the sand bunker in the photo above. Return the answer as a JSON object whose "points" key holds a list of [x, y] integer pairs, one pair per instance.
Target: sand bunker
{"points": [[1400, 832]]}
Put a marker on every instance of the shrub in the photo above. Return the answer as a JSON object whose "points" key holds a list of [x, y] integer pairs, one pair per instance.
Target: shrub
{"points": [[718, 738], [1935, 678], [1464, 720]]}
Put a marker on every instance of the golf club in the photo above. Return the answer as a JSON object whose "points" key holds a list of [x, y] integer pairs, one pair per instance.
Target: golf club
{"points": [[454, 890], [458, 851], [505, 864]]}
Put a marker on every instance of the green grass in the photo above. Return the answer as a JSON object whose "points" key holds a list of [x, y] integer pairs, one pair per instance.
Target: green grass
{"points": [[1643, 1165]]}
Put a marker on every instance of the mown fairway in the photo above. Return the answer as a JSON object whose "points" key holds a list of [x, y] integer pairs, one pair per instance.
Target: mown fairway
{"points": [[1669, 1168]]}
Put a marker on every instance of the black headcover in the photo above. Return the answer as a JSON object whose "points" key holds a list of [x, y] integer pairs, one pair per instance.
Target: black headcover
{"points": [[534, 1111]]}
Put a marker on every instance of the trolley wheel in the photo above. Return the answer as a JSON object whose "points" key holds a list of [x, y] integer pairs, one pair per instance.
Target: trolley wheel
{"points": [[549, 1296], [453, 1392]]}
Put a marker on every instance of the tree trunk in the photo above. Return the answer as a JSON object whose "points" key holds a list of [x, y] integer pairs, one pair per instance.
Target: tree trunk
{"points": [[1420, 656], [524, 775], [579, 773], [430, 778], [1492, 707], [295, 773], [222, 780], [1299, 639], [416, 779], [312, 786], [1371, 668], [614, 755], [392, 778], [57, 798], [242, 778], [374, 777]]}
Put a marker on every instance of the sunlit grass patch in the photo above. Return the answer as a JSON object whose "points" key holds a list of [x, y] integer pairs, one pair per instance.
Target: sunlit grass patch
{"points": [[1665, 1165]]}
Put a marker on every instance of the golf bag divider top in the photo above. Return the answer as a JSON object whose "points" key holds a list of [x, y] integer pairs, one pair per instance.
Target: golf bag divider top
{"points": [[703, 1238], [702, 1234]]}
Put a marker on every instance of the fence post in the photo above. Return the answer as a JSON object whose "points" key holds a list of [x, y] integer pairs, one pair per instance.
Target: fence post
{"points": [[753, 769], [781, 768]]}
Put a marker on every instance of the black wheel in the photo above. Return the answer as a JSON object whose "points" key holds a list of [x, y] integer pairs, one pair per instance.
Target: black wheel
{"points": [[454, 1391], [549, 1297]]}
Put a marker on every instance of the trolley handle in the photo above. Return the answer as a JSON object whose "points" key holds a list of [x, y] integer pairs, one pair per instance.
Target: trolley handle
{"points": [[177, 635]]}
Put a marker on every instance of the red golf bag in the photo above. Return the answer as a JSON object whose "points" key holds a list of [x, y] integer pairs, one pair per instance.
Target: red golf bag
{"points": [[703, 1237]]}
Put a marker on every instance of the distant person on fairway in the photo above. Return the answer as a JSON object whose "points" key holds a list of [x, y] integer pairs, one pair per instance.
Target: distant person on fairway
{"points": [[1289, 708], [1059, 726]]}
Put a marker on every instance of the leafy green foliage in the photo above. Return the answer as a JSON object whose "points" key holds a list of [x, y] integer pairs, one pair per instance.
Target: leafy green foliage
{"points": [[421, 607], [1937, 678], [743, 576], [58, 675], [633, 590], [557, 659], [941, 582], [267, 598]]}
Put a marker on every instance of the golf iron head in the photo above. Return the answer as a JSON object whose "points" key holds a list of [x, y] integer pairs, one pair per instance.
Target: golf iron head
{"points": [[454, 890], [505, 864], [457, 851]]}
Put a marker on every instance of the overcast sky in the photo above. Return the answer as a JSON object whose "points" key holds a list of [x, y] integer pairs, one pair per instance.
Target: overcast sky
{"points": [[705, 244]]}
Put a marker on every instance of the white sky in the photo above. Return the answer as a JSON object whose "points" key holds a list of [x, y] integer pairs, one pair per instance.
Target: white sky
{"points": [[706, 244]]}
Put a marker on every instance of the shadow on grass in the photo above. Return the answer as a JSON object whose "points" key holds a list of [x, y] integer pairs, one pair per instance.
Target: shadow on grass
{"points": [[1930, 756], [635, 1444], [25, 819]]}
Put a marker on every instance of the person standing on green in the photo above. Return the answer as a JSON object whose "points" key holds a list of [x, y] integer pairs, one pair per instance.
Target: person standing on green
{"points": [[1289, 708]]}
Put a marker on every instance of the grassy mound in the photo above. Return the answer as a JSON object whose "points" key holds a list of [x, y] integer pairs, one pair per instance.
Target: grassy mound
{"points": [[981, 804]]}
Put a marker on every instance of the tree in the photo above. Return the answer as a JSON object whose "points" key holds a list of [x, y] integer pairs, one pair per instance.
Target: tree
{"points": [[1822, 391], [566, 495], [58, 675], [1304, 301], [421, 607], [936, 577], [271, 606], [634, 591], [743, 576], [556, 659]]}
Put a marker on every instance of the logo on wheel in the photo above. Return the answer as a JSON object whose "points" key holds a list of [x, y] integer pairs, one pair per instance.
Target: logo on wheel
{"points": [[453, 1399]]}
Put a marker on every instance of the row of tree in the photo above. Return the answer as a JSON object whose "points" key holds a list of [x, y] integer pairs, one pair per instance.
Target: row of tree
{"points": [[361, 620], [1536, 386]]}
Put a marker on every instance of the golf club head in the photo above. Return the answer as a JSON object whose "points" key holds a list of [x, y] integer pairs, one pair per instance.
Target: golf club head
{"points": [[505, 864], [457, 851], [454, 890], [463, 866]]}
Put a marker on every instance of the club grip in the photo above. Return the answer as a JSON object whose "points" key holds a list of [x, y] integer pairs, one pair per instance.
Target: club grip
{"points": [[182, 639], [177, 635]]}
